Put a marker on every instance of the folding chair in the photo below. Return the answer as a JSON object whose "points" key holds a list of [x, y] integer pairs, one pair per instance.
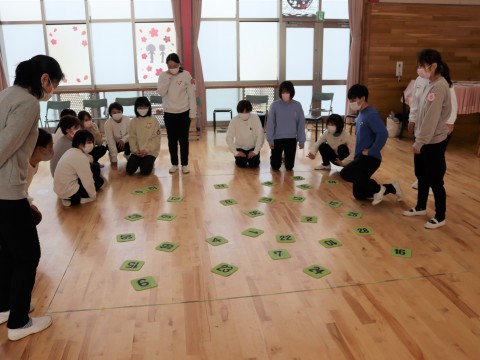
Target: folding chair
{"points": [[130, 101], [260, 106], [57, 107], [317, 109], [96, 106]]}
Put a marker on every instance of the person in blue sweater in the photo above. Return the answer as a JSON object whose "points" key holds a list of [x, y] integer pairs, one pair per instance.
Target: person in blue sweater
{"points": [[370, 139], [285, 127]]}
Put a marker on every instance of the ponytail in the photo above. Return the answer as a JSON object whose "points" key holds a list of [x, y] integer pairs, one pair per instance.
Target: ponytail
{"points": [[445, 72]]}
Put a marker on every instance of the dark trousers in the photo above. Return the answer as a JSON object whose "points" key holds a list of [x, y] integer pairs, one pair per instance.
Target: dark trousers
{"points": [[98, 152], [359, 172], [245, 161], [328, 154], [280, 146], [82, 193], [430, 168], [178, 126], [19, 257], [144, 163]]}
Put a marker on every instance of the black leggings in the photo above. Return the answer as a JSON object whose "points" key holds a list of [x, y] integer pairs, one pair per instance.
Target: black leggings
{"points": [[178, 126]]}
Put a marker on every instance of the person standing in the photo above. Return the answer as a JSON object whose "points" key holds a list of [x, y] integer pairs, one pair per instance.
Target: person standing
{"points": [[177, 89], [245, 136], [371, 137], [285, 127], [35, 80], [431, 136]]}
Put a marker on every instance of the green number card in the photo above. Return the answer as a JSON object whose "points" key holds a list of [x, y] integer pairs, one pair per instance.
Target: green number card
{"points": [[134, 217], [296, 198], [266, 200], [167, 246], [279, 254], [308, 219], [402, 252], [297, 178], [220, 186], [330, 243], [362, 230], [151, 188], [269, 183], [125, 237], [316, 271], [228, 202], [253, 213], [353, 214], [332, 182], [132, 265], [138, 192], [304, 186], [144, 283], [224, 269], [166, 217], [334, 203], [285, 238], [175, 199], [252, 232], [217, 240]]}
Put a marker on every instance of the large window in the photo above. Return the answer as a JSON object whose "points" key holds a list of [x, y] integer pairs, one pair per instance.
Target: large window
{"points": [[98, 43]]}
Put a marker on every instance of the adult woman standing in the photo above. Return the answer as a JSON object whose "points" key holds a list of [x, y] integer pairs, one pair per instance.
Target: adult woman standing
{"points": [[180, 108], [35, 80], [431, 131]]}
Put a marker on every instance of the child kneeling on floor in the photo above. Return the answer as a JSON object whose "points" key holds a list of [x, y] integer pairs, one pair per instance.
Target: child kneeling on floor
{"points": [[335, 145], [73, 180]]}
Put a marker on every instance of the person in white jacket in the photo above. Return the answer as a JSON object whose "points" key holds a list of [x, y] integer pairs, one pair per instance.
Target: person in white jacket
{"points": [[335, 145], [177, 89], [73, 181], [245, 136], [116, 133]]}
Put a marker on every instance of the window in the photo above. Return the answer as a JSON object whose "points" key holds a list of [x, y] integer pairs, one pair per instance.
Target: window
{"points": [[20, 10]]}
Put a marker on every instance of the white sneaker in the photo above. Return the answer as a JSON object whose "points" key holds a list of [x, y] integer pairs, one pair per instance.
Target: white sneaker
{"points": [[414, 212], [378, 197], [398, 190], [86, 200], [5, 314], [185, 169], [37, 324], [322, 167], [173, 169], [66, 202], [434, 223]]}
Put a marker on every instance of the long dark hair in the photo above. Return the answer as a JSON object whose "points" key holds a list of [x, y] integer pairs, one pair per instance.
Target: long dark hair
{"points": [[431, 56], [29, 72]]}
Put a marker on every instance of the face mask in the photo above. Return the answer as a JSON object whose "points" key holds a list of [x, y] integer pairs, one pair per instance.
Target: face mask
{"points": [[142, 112], [88, 148], [117, 116], [332, 129], [423, 74], [244, 116], [174, 71], [286, 97], [46, 96], [354, 106]]}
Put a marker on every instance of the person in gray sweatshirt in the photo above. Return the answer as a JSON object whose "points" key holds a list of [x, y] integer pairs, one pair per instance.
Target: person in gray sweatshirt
{"points": [[35, 80]]}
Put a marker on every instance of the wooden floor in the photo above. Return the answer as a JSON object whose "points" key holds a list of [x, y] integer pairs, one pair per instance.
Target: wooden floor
{"points": [[372, 306]]}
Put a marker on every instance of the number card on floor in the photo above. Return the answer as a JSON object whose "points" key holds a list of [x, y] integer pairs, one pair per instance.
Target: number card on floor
{"points": [[166, 217], [217, 240], [304, 186], [269, 183], [266, 200], [279, 254], [253, 213], [334, 203], [175, 199], [252, 232], [402, 252], [167, 246], [134, 217], [151, 188], [224, 269], [228, 202], [285, 238], [125, 237], [297, 198], [138, 192], [220, 186], [308, 219], [132, 265], [353, 214], [144, 283], [316, 271], [362, 230], [332, 182], [330, 243], [297, 178]]}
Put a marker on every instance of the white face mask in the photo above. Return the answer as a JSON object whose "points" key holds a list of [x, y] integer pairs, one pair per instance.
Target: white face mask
{"points": [[354, 106], [174, 71], [117, 116], [244, 116], [88, 148], [332, 129], [286, 97], [46, 96], [142, 112]]}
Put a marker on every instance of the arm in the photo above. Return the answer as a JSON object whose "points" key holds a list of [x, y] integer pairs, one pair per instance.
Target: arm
{"points": [[96, 134], [314, 148], [164, 83], [259, 133], [453, 115], [271, 124], [125, 137], [192, 99], [377, 126], [112, 145], [82, 167], [301, 137], [230, 137], [132, 137], [153, 146]]}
